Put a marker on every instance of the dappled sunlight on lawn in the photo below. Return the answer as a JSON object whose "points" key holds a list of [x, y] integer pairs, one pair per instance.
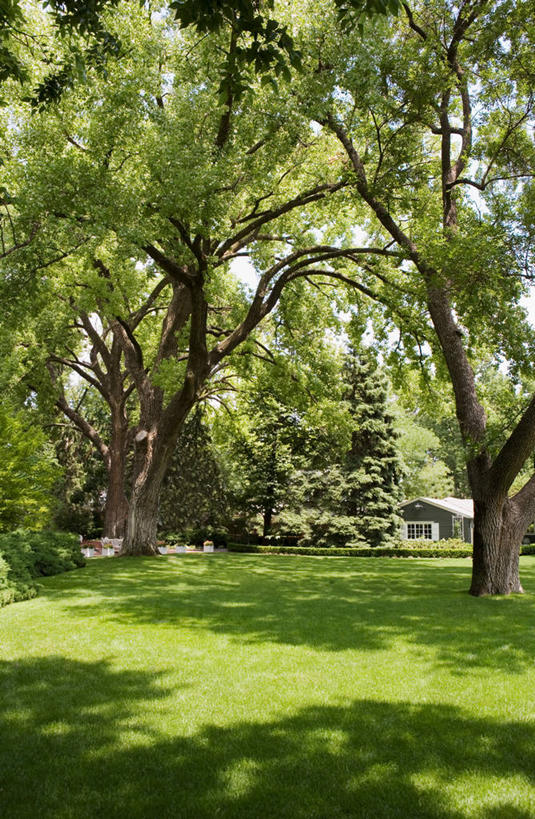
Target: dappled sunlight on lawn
{"points": [[75, 743], [326, 604]]}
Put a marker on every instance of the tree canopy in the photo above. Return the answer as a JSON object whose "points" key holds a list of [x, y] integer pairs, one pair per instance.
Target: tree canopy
{"points": [[398, 164]]}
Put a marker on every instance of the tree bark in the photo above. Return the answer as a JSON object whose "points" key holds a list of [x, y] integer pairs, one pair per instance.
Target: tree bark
{"points": [[150, 467], [268, 521], [116, 506], [142, 526], [498, 530], [153, 452]]}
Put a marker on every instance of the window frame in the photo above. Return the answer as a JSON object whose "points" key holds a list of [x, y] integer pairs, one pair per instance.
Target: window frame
{"points": [[421, 523]]}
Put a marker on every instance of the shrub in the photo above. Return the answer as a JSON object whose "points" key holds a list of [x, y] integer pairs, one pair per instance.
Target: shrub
{"points": [[27, 555], [447, 543], [348, 551], [195, 536]]}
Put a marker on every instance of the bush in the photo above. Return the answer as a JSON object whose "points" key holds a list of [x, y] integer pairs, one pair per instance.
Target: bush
{"points": [[25, 556], [195, 536], [348, 551], [452, 547], [447, 543]]}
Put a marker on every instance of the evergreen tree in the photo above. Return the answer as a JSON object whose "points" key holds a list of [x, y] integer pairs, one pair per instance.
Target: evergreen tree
{"points": [[353, 502], [373, 463], [266, 448], [80, 491], [193, 495]]}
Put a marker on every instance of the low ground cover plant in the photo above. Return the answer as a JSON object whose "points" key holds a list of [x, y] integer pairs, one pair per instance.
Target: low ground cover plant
{"points": [[25, 556]]}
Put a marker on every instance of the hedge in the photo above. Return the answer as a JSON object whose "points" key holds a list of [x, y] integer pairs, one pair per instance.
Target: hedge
{"points": [[353, 551], [25, 556], [450, 549]]}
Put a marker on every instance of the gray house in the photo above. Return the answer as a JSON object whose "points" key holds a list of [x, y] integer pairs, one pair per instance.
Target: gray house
{"points": [[437, 518]]}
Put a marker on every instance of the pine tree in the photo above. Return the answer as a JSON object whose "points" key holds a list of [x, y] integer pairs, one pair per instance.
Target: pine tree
{"points": [[353, 502], [193, 497], [373, 465]]}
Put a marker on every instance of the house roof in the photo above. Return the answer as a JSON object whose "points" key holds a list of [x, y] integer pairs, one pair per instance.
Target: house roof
{"points": [[457, 506]]}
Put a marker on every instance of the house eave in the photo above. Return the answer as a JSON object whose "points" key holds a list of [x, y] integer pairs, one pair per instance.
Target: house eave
{"points": [[446, 507]]}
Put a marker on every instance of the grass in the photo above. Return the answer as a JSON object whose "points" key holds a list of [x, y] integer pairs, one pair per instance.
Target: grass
{"points": [[239, 686]]}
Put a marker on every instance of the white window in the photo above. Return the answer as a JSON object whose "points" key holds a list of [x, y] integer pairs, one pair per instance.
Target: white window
{"points": [[420, 531]]}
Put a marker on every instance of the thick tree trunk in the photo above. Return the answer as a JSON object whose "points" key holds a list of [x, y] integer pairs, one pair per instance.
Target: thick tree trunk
{"points": [[498, 532], [116, 506], [142, 526], [151, 461]]}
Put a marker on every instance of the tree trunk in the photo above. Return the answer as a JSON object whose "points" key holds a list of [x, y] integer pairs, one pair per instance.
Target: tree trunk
{"points": [[498, 532], [116, 506], [151, 461], [268, 521], [142, 526]]}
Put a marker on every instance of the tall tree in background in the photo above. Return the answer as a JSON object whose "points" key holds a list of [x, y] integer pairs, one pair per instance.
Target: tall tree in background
{"points": [[193, 494], [266, 449], [373, 462], [352, 498], [441, 112], [80, 491], [287, 411]]}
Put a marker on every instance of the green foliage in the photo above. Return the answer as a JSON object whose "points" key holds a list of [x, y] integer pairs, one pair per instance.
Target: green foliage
{"points": [[195, 536], [421, 450], [28, 471], [287, 415], [80, 490], [451, 547], [10, 64], [25, 556], [194, 500], [355, 551], [261, 42], [18, 41], [354, 501]]}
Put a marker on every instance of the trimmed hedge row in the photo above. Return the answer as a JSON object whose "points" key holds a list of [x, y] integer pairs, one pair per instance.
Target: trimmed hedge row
{"points": [[25, 556], [355, 551], [453, 550]]}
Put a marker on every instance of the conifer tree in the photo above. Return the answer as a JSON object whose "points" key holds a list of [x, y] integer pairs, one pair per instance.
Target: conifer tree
{"points": [[373, 464], [353, 502], [194, 500]]}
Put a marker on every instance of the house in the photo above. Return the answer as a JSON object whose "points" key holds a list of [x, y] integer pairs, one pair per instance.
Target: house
{"points": [[437, 518]]}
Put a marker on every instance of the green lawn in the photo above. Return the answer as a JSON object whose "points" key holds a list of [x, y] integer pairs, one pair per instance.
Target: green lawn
{"points": [[250, 686]]}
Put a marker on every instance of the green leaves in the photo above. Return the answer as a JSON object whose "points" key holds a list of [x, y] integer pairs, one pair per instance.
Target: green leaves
{"points": [[352, 13], [27, 473], [259, 43]]}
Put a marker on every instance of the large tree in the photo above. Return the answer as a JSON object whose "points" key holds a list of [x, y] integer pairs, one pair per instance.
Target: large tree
{"points": [[434, 133], [114, 180]]}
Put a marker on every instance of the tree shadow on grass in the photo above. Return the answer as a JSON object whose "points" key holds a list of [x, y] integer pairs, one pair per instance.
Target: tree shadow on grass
{"points": [[64, 754], [323, 603]]}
